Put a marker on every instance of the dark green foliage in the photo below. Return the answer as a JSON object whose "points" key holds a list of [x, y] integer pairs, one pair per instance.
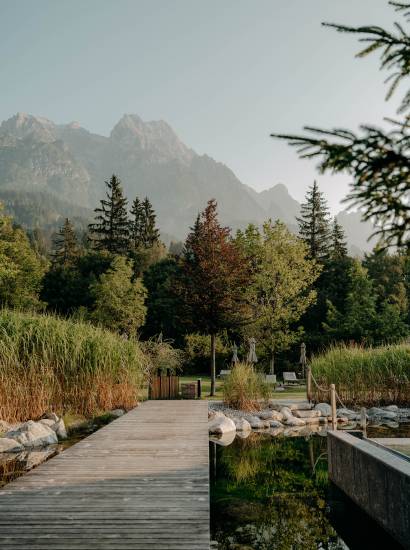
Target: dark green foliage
{"points": [[163, 305], [338, 246], [136, 224], [377, 160], [66, 248], [314, 224], [143, 230], [149, 230], [387, 273], [110, 231], [67, 288], [362, 322]]}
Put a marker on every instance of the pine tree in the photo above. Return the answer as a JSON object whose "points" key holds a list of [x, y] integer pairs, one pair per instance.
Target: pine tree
{"points": [[314, 224], [150, 233], [377, 160], [338, 247], [136, 224], [66, 248], [111, 228], [143, 230]]}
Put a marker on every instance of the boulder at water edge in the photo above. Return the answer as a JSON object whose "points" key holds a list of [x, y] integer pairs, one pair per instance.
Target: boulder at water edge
{"points": [[9, 445], [347, 413], [289, 419], [58, 427], [33, 434], [307, 414], [375, 411], [324, 408], [256, 423], [242, 425], [221, 425]]}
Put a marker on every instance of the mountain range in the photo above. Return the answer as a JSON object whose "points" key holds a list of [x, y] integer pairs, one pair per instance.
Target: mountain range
{"points": [[49, 171]]}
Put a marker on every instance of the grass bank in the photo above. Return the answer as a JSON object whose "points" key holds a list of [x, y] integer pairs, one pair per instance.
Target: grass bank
{"points": [[365, 376], [48, 363]]}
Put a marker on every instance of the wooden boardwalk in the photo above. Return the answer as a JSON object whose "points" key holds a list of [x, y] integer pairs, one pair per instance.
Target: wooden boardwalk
{"points": [[142, 482]]}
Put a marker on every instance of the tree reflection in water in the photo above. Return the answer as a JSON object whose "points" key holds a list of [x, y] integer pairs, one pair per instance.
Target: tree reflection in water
{"points": [[270, 493]]}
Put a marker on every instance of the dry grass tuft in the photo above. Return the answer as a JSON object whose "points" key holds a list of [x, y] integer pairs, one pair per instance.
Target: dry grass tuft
{"points": [[244, 387]]}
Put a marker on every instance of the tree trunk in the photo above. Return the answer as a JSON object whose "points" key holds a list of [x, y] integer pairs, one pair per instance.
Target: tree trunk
{"points": [[213, 366], [272, 364]]}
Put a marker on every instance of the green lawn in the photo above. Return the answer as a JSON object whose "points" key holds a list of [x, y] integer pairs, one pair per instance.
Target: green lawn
{"points": [[289, 393]]}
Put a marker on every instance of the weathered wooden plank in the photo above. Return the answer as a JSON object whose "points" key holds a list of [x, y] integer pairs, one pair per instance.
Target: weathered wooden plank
{"points": [[141, 482]]}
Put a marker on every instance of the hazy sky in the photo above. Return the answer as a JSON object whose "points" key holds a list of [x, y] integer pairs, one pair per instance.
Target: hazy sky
{"points": [[223, 73]]}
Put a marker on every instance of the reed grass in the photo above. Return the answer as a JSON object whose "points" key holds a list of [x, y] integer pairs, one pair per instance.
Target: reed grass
{"points": [[244, 387], [365, 376], [47, 363]]}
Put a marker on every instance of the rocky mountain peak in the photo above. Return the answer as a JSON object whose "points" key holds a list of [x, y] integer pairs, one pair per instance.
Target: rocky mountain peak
{"points": [[155, 138], [23, 125]]}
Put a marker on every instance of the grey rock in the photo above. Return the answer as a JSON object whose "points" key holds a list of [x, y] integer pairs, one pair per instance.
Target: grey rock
{"points": [[265, 415], [60, 429], [307, 414], [276, 424], [382, 413], [393, 408], [347, 413], [33, 434], [117, 413], [324, 408], [255, 422], [51, 416], [242, 425], [221, 425], [8, 445]]}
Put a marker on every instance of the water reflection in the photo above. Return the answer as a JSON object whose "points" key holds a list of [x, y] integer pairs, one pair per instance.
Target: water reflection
{"points": [[273, 494]]}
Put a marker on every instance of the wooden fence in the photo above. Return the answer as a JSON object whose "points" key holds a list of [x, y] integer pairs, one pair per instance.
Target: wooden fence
{"points": [[164, 387]]}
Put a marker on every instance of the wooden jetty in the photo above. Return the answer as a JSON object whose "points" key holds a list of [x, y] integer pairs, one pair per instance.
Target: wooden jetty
{"points": [[141, 482]]}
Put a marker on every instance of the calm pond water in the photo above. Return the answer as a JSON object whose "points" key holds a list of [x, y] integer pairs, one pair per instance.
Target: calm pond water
{"points": [[273, 493]]}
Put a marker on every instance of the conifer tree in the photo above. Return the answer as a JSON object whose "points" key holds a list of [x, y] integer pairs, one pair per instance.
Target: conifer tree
{"points": [[338, 247], [314, 227], [111, 228], [150, 233], [143, 230], [66, 248], [376, 159], [136, 224]]}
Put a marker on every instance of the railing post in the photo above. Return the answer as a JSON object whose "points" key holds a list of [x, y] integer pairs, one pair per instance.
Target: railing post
{"points": [[199, 385], [333, 405], [309, 384]]}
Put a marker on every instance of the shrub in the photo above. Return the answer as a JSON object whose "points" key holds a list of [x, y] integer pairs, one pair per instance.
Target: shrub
{"points": [[48, 363], [162, 356], [365, 376], [244, 387]]}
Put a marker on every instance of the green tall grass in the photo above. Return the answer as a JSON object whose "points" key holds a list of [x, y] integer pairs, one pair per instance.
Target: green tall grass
{"points": [[365, 376], [47, 363]]}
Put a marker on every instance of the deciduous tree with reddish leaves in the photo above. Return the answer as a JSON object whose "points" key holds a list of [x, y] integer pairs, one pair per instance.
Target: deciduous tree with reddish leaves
{"points": [[214, 275]]}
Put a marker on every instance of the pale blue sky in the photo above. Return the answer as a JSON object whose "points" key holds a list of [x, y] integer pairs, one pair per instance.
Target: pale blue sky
{"points": [[223, 73]]}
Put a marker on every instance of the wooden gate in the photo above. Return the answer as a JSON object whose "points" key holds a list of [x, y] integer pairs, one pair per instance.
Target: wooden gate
{"points": [[164, 386]]}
